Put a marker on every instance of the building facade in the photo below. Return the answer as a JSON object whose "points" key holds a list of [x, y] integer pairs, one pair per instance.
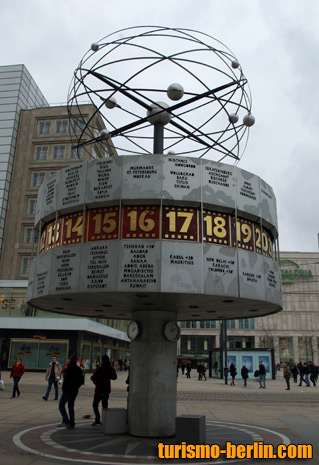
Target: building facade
{"points": [[18, 91], [40, 144], [293, 333]]}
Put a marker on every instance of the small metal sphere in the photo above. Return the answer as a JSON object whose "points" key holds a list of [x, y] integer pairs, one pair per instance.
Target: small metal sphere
{"points": [[94, 47], [175, 91], [235, 64], [104, 134], [249, 120], [157, 115], [171, 152], [110, 103], [233, 118]]}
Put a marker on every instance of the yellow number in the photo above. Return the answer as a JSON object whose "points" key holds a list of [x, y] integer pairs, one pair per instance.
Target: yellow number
{"points": [[245, 229], [57, 231], [172, 221], [258, 240], [219, 229], [77, 228], [188, 218], [209, 225], [133, 220], [109, 224], [97, 221], [146, 224], [49, 234], [43, 239]]}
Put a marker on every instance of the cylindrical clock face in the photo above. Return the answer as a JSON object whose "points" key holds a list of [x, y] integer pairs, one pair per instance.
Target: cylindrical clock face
{"points": [[172, 331], [158, 225]]}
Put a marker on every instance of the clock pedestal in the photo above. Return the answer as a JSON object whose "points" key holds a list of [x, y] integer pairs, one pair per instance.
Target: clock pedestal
{"points": [[153, 374]]}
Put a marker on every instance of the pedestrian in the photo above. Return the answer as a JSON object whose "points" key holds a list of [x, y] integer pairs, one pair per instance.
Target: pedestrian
{"points": [[312, 372], [199, 371], [294, 372], [79, 363], [244, 374], [203, 369], [17, 371], [183, 367], [67, 363], [286, 375], [73, 380], [102, 380], [302, 374], [262, 376], [52, 375], [233, 373], [188, 369]]}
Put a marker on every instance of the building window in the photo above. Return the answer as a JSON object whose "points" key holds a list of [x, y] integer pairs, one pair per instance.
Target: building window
{"points": [[190, 324], [44, 127], [76, 152], [31, 206], [231, 324], [246, 323], [25, 265], [37, 178], [61, 126], [78, 125], [41, 152], [58, 151], [29, 236], [211, 324]]}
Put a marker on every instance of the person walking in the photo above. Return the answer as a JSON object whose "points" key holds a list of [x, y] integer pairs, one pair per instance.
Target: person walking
{"points": [[102, 380], [294, 372], [233, 373], [17, 371], [73, 380], [262, 376], [286, 375], [312, 373], [52, 375], [244, 374], [303, 375], [204, 372], [188, 369]]}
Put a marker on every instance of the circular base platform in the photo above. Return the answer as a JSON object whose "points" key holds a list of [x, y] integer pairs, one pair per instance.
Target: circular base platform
{"points": [[87, 444]]}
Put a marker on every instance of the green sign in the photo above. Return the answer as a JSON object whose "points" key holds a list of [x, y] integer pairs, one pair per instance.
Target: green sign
{"points": [[291, 275]]}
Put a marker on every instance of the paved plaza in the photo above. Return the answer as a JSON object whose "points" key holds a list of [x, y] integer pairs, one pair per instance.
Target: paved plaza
{"points": [[29, 433]]}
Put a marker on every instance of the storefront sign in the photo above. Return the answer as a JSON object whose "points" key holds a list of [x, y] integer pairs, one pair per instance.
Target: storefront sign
{"points": [[291, 275]]}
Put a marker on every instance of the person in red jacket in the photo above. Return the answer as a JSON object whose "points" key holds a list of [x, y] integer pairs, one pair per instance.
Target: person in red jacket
{"points": [[102, 380], [17, 371]]}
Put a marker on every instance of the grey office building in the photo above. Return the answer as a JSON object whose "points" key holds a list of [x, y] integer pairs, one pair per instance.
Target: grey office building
{"points": [[18, 90]]}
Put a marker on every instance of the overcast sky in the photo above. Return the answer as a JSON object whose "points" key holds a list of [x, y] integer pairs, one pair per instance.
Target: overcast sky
{"points": [[276, 42]]}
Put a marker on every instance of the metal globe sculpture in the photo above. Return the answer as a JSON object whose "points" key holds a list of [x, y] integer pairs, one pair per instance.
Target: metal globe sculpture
{"points": [[128, 73]]}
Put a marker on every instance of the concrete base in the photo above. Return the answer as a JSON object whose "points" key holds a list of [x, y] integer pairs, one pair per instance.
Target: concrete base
{"points": [[191, 429], [114, 420], [153, 372]]}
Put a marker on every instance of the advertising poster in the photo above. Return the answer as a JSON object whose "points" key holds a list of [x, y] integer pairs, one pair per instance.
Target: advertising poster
{"points": [[265, 360], [248, 361], [230, 359]]}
